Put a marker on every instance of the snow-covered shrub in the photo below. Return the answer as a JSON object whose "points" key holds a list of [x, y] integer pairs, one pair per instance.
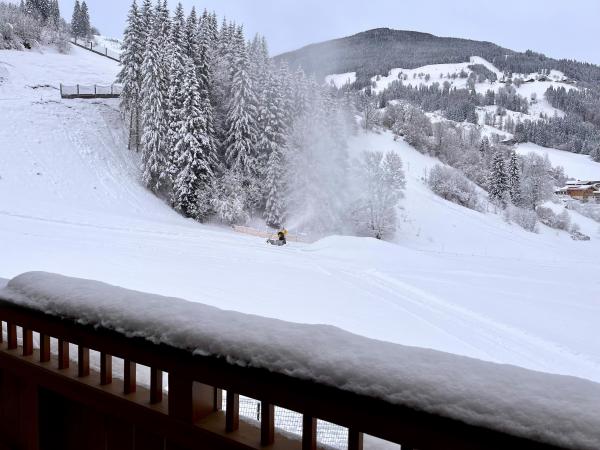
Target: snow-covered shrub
{"points": [[525, 218], [549, 218], [380, 182], [577, 235], [453, 186]]}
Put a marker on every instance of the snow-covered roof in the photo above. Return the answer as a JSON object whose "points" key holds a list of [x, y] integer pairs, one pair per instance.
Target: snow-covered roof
{"points": [[561, 410]]}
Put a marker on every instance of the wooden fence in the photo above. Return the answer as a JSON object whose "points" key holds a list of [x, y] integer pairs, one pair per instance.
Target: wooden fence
{"points": [[90, 91], [104, 51], [50, 398]]}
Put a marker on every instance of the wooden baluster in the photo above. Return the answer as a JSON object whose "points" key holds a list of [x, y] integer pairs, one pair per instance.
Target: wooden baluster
{"points": [[63, 354], [232, 412], [309, 432], [355, 440], [1, 336], [129, 377], [217, 399], [105, 369], [156, 382], [44, 348], [11, 335], [27, 341], [83, 361], [267, 423]]}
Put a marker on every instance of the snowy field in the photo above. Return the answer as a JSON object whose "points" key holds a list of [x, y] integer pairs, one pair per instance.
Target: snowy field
{"points": [[579, 167], [454, 280]]}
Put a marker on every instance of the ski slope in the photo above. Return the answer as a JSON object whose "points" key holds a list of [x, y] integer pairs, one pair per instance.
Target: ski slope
{"points": [[454, 280]]}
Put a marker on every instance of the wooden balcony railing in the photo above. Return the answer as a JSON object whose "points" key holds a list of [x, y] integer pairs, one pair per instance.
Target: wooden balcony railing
{"points": [[50, 397]]}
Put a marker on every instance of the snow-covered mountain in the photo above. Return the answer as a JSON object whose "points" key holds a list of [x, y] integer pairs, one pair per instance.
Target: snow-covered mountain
{"points": [[455, 280]]}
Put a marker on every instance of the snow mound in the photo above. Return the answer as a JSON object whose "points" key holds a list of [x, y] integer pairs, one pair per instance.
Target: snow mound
{"points": [[559, 410]]}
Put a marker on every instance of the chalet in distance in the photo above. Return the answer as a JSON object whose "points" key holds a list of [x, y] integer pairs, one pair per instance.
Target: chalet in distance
{"points": [[581, 190]]}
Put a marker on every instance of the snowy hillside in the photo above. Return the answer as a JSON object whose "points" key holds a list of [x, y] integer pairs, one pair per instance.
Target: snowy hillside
{"points": [[455, 280], [579, 167], [440, 73]]}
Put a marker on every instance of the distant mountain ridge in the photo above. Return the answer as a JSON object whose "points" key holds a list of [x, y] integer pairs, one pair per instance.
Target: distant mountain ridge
{"points": [[377, 51]]}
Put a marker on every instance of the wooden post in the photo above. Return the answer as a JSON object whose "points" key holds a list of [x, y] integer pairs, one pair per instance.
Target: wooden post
{"points": [[61, 94], [232, 412], [129, 377], [309, 433], [267, 423], [63, 354], [189, 401], [217, 399], [77, 89], [83, 361], [11, 335], [106, 51], [1, 337], [27, 342], [156, 381], [95, 89], [44, 348], [105, 369], [355, 440]]}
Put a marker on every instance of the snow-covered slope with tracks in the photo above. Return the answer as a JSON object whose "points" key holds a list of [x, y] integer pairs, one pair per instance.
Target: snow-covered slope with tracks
{"points": [[455, 280]]}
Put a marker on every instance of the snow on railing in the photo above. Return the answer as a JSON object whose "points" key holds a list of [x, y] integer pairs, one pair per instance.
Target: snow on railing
{"points": [[91, 46], [90, 91], [418, 397]]}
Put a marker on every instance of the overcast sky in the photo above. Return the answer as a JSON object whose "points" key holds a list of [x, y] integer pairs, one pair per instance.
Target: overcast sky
{"points": [[557, 28]]}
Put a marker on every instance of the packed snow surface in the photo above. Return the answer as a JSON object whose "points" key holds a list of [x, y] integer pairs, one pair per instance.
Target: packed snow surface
{"points": [[579, 167], [555, 409], [454, 280]]}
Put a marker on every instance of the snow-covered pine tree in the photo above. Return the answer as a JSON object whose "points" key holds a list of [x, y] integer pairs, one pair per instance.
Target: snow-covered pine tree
{"points": [[484, 146], [192, 38], [130, 75], [221, 80], [177, 59], [55, 13], [258, 55], [147, 20], [194, 148], [84, 21], [514, 179], [272, 122], [154, 102], [76, 28], [498, 179], [240, 142], [275, 192]]}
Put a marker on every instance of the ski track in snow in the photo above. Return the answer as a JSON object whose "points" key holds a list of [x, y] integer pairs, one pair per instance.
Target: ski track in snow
{"points": [[456, 280]]}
